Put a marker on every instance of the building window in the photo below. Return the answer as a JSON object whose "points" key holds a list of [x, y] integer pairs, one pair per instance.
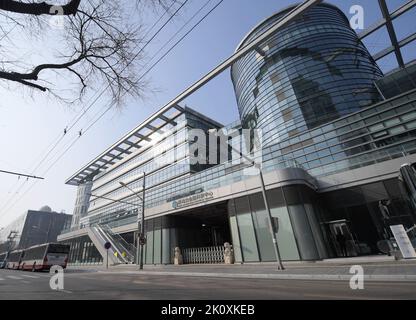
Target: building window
{"points": [[281, 95], [256, 92]]}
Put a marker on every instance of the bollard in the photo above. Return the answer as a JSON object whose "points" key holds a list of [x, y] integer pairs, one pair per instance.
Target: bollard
{"points": [[178, 256], [228, 254]]}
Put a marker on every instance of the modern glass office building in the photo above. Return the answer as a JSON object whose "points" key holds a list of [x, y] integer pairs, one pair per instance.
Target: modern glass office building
{"points": [[336, 132], [309, 73]]}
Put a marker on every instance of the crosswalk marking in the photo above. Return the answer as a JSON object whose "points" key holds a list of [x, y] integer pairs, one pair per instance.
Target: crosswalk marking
{"points": [[14, 278], [1, 279], [32, 277]]}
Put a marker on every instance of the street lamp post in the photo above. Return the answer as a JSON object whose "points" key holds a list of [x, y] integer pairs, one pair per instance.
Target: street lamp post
{"points": [[266, 204], [273, 232], [140, 222]]}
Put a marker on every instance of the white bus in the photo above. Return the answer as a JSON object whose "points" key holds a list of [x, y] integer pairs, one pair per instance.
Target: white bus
{"points": [[14, 259], [44, 256]]}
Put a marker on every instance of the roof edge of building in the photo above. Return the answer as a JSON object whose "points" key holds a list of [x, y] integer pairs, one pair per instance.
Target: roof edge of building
{"points": [[137, 128], [283, 10]]}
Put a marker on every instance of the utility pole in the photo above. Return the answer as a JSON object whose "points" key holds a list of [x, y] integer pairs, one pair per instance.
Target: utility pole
{"points": [[10, 238], [273, 232], [141, 239], [266, 202]]}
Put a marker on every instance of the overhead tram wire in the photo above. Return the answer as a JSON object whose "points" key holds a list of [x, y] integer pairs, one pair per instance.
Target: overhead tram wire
{"points": [[76, 119], [140, 51], [9, 207], [147, 33], [131, 61], [49, 168], [14, 185], [164, 55], [111, 105], [180, 40], [8, 32], [70, 126], [178, 32], [159, 60], [97, 97]]}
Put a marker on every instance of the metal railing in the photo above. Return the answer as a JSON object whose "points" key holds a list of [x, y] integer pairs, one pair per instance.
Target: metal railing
{"points": [[123, 248], [115, 252], [205, 255], [99, 238]]}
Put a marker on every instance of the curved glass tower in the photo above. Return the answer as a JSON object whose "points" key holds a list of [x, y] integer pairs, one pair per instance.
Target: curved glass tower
{"points": [[311, 72]]}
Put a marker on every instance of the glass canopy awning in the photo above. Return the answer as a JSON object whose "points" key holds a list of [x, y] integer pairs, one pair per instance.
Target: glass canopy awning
{"points": [[138, 138], [387, 22]]}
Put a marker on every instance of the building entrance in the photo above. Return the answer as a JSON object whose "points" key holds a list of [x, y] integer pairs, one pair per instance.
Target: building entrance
{"points": [[344, 241], [364, 214], [203, 227]]}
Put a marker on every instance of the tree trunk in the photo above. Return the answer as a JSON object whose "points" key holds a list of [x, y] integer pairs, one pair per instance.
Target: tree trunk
{"points": [[39, 8]]}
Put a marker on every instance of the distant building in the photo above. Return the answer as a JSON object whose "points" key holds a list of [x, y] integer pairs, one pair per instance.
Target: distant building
{"points": [[34, 227]]}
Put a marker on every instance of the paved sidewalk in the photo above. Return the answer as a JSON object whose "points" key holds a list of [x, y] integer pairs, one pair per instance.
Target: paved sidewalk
{"points": [[377, 268]]}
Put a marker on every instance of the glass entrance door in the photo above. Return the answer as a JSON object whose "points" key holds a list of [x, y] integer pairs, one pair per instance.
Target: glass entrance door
{"points": [[342, 236]]}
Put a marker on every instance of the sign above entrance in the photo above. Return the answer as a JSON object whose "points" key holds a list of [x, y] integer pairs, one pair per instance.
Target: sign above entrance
{"points": [[403, 242], [195, 199], [183, 195]]}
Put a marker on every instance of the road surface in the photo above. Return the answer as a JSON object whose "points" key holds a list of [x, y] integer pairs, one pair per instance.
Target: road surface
{"points": [[99, 285]]}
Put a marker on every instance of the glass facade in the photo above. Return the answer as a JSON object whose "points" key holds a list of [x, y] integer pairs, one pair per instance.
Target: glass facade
{"points": [[299, 236], [320, 100], [358, 210], [164, 160], [398, 82], [83, 252], [379, 133], [376, 134], [81, 203], [161, 241], [309, 73]]}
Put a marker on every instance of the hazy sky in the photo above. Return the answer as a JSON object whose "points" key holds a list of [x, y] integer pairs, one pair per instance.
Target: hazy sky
{"points": [[29, 124]]}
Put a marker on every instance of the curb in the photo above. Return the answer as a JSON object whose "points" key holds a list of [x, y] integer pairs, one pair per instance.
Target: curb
{"points": [[318, 277]]}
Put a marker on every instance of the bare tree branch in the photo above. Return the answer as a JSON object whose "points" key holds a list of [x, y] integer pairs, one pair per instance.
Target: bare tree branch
{"points": [[99, 47]]}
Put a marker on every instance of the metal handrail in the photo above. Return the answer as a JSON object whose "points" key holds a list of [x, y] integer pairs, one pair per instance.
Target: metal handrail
{"points": [[106, 238], [120, 243]]}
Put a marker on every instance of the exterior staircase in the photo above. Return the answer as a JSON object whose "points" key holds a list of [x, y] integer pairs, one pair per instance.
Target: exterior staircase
{"points": [[120, 252]]}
